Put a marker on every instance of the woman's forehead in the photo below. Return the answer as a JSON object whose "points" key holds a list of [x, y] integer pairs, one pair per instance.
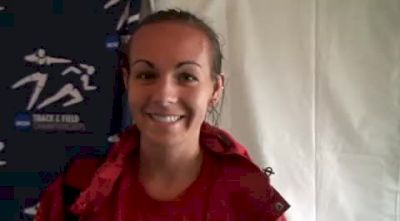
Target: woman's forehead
{"points": [[166, 32], [168, 39], [172, 25]]}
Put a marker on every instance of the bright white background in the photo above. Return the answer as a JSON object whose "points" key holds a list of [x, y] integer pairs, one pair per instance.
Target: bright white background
{"points": [[313, 90]]}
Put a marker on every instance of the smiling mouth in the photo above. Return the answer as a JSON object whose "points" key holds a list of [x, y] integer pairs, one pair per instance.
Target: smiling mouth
{"points": [[165, 118]]}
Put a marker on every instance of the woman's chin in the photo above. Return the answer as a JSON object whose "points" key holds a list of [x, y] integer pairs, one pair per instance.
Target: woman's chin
{"points": [[164, 139]]}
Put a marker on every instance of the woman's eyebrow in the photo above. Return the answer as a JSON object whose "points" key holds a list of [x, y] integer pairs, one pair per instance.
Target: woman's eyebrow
{"points": [[187, 62], [148, 63]]}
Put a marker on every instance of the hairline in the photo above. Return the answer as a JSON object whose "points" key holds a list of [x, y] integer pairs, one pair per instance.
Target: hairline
{"points": [[210, 46]]}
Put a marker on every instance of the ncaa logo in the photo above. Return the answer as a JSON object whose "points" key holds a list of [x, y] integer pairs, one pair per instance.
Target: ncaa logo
{"points": [[112, 42], [23, 121]]}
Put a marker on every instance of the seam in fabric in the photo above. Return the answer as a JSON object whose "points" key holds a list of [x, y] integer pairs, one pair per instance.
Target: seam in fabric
{"points": [[315, 30], [397, 201]]}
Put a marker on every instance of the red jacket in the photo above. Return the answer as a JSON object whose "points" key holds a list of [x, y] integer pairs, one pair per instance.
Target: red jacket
{"points": [[86, 190]]}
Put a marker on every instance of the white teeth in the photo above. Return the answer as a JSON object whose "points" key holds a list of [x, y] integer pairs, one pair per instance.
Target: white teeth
{"points": [[165, 119]]}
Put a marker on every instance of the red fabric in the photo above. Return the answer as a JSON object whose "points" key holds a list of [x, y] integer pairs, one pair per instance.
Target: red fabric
{"points": [[51, 204], [190, 205], [238, 189], [78, 176]]}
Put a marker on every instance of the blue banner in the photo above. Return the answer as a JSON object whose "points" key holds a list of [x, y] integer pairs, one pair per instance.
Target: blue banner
{"points": [[61, 90]]}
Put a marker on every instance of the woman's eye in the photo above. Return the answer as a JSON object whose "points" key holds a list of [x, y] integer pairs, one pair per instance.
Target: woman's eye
{"points": [[188, 77], [145, 76]]}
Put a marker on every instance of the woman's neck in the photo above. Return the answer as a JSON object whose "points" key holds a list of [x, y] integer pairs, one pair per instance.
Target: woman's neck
{"points": [[169, 162], [166, 171]]}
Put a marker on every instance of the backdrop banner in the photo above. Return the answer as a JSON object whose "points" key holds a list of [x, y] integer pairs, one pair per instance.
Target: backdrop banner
{"points": [[59, 66]]}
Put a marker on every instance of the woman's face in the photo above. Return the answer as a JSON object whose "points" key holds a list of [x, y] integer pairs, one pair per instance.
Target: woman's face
{"points": [[170, 85]]}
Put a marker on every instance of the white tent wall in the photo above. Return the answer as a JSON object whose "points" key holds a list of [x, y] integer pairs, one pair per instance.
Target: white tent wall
{"points": [[357, 110], [313, 91]]}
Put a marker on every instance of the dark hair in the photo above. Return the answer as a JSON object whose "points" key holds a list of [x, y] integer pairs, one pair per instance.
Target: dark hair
{"points": [[190, 19]]}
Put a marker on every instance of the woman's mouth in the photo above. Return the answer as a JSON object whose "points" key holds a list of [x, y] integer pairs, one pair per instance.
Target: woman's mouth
{"points": [[165, 118]]}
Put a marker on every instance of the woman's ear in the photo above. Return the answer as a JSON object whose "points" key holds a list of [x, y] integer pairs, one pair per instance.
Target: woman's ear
{"points": [[218, 89], [125, 76]]}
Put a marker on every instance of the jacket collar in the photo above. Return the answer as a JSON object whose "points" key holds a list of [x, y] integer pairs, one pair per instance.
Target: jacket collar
{"points": [[212, 138]]}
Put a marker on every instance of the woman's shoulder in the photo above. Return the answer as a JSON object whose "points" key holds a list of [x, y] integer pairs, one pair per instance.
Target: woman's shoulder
{"points": [[242, 173], [61, 193], [248, 188], [79, 171]]}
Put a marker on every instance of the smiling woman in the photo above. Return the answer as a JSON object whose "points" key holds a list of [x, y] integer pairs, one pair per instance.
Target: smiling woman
{"points": [[170, 83], [170, 165]]}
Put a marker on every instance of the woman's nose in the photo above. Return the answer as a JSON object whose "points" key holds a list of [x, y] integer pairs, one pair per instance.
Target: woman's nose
{"points": [[165, 91]]}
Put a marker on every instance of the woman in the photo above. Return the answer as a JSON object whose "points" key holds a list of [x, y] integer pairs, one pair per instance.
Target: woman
{"points": [[171, 165]]}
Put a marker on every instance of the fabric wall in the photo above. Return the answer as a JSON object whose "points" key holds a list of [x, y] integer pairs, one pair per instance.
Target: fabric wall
{"points": [[313, 91], [357, 110]]}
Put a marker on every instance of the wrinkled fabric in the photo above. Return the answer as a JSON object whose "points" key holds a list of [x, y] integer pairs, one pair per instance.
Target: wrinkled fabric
{"points": [[241, 190]]}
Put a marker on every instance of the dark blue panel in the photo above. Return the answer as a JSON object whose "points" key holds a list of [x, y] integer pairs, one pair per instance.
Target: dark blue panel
{"points": [[60, 91]]}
